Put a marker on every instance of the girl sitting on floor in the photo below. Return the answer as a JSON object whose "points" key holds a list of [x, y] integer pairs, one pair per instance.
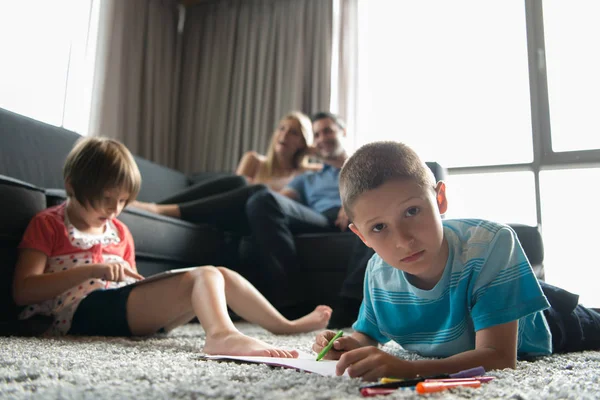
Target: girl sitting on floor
{"points": [[76, 261]]}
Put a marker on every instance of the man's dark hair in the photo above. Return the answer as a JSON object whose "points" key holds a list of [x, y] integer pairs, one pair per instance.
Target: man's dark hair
{"points": [[376, 163], [325, 114]]}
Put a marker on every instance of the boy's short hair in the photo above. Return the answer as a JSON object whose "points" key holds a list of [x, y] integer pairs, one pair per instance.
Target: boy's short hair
{"points": [[96, 164], [376, 163], [325, 114]]}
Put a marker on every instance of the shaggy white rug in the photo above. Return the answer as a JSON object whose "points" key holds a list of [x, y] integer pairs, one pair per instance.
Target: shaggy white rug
{"points": [[169, 366]]}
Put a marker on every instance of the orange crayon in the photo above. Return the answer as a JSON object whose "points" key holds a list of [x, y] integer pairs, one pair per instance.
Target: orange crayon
{"points": [[433, 386]]}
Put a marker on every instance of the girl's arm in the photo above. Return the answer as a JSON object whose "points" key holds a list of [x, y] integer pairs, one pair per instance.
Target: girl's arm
{"points": [[249, 165], [31, 285]]}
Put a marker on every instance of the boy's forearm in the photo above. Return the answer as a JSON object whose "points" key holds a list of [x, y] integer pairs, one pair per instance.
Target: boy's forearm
{"points": [[487, 358], [37, 288], [364, 340]]}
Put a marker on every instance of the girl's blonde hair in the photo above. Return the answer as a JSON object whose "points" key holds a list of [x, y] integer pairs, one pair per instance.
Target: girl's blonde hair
{"points": [[96, 164], [271, 165]]}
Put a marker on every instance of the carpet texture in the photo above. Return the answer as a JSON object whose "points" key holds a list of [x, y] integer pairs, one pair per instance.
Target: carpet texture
{"points": [[169, 367]]}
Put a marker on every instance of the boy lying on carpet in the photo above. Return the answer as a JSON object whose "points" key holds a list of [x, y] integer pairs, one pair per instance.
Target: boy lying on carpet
{"points": [[76, 261], [459, 290]]}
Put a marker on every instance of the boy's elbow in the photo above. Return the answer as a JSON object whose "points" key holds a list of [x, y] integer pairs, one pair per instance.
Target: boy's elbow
{"points": [[502, 361], [507, 363]]}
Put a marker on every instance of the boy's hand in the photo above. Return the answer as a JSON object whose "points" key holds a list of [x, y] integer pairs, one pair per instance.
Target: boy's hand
{"points": [[370, 364], [340, 346], [115, 271]]}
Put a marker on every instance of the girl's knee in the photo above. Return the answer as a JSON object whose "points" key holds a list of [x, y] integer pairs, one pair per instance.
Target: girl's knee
{"points": [[206, 272], [227, 273]]}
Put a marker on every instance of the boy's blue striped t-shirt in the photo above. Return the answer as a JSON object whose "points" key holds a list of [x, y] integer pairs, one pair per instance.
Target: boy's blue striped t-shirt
{"points": [[487, 281]]}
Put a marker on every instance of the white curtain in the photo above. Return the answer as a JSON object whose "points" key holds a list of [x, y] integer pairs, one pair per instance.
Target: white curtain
{"points": [[347, 71], [137, 73], [245, 64]]}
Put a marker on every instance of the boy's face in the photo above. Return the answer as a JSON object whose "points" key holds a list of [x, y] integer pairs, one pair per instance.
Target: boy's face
{"points": [[402, 222]]}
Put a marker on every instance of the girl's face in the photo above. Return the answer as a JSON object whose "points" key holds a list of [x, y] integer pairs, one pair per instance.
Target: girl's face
{"points": [[288, 138], [93, 219]]}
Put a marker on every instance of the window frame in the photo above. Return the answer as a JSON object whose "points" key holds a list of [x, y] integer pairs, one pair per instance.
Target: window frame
{"points": [[544, 158]]}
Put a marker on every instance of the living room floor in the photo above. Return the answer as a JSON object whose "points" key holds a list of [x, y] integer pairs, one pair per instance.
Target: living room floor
{"points": [[171, 366]]}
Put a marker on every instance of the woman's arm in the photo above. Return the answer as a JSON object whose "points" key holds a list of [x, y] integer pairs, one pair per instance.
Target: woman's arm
{"points": [[249, 165]]}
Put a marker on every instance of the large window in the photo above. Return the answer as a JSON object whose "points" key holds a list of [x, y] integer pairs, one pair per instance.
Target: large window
{"points": [[449, 78], [503, 94], [571, 31], [48, 52], [571, 223], [505, 197]]}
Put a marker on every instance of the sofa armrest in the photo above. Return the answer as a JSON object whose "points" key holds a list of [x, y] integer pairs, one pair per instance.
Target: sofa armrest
{"points": [[531, 240], [439, 172], [19, 203]]}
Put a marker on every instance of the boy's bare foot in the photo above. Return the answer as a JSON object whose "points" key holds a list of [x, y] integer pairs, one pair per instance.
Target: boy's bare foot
{"points": [[316, 320], [238, 344], [151, 207]]}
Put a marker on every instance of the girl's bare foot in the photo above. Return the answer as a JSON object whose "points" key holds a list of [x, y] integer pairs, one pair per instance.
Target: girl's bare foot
{"points": [[317, 319], [238, 344]]}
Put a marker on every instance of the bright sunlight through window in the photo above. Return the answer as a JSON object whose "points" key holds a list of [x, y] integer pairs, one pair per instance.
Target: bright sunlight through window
{"points": [[48, 53], [448, 78]]}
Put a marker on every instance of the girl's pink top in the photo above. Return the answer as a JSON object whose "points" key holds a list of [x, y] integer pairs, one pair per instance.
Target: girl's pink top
{"points": [[51, 233]]}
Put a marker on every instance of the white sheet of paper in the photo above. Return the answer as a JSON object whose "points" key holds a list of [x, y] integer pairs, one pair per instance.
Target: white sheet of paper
{"points": [[304, 362]]}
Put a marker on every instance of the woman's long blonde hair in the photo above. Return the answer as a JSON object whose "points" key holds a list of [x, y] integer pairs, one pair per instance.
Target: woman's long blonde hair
{"points": [[271, 165]]}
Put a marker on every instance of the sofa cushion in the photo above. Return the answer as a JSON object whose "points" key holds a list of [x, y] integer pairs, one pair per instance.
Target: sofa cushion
{"points": [[159, 182], [171, 240]]}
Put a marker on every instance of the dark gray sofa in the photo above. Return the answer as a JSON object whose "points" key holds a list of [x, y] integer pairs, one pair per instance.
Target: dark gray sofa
{"points": [[31, 158]]}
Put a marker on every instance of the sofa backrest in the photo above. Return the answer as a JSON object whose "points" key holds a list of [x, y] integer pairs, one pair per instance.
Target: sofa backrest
{"points": [[159, 182], [34, 152]]}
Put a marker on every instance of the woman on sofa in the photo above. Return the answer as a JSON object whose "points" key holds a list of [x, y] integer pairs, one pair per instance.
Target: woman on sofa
{"points": [[221, 201]]}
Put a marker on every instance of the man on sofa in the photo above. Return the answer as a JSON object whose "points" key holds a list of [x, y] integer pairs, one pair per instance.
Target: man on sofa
{"points": [[310, 203]]}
